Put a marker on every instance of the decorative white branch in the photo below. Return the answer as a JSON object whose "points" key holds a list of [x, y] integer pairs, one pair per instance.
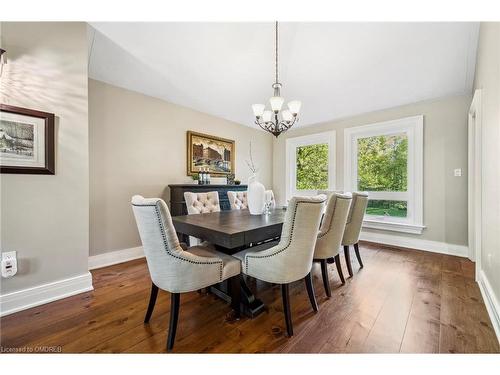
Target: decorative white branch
{"points": [[250, 162]]}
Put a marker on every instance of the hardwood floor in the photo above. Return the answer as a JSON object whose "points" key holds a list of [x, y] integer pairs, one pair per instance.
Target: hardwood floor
{"points": [[401, 301]]}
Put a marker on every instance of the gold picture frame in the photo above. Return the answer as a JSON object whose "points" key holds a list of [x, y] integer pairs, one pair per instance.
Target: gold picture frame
{"points": [[208, 151]]}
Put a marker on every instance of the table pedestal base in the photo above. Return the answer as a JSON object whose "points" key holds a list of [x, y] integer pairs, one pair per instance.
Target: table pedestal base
{"points": [[250, 305]]}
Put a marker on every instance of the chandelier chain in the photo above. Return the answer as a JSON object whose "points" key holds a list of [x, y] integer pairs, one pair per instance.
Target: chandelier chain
{"points": [[276, 52]]}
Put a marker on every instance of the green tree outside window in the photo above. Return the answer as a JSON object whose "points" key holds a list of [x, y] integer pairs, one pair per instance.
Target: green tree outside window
{"points": [[383, 166], [312, 167], [382, 163]]}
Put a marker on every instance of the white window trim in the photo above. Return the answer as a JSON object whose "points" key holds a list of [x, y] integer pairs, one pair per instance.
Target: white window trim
{"points": [[413, 127], [291, 168]]}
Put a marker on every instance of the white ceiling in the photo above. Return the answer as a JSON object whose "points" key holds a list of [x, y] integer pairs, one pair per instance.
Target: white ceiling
{"points": [[335, 69]]}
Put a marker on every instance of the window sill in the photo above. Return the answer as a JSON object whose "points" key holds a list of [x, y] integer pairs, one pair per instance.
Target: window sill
{"points": [[393, 226]]}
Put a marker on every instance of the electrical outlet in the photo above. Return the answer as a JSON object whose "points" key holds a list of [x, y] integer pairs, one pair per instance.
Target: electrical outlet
{"points": [[457, 172], [9, 264]]}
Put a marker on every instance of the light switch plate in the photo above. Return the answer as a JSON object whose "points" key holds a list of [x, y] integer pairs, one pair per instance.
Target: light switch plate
{"points": [[457, 172]]}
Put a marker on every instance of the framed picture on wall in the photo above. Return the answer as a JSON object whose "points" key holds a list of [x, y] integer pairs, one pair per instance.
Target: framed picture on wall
{"points": [[26, 141], [207, 152]]}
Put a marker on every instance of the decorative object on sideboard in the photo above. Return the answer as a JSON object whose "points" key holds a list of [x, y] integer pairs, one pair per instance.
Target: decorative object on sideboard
{"points": [[268, 201], [209, 154], [204, 177], [256, 191], [276, 120], [230, 179], [237, 182], [26, 141]]}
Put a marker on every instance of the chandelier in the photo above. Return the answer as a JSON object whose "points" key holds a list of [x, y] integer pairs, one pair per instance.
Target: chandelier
{"points": [[276, 120]]}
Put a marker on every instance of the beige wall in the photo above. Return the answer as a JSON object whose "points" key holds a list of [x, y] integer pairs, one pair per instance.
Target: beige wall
{"points": [[138, 146], [488, 80], [46, 218], [445, 148]]}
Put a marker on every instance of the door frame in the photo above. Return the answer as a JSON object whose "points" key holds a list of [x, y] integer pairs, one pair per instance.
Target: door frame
{"points": [[475, 180]]}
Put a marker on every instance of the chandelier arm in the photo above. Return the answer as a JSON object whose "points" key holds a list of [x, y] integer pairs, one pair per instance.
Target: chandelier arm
{"points": [[269, 126], [262, 126], [287, 124], [265, 125]]}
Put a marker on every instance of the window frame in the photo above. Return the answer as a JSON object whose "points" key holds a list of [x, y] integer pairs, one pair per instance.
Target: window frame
{"points": [[412, 127], [329, 138]]}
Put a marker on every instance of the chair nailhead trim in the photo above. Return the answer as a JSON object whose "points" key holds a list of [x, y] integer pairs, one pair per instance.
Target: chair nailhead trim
{"points": [[165, 242], [289, 240]]}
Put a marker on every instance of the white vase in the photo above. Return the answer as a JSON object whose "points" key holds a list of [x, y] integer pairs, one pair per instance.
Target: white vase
{"points": [[256, 196]]}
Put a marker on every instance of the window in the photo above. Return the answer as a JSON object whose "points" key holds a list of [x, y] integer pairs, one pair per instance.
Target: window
{"points": [[310, 164], [385, 160]]}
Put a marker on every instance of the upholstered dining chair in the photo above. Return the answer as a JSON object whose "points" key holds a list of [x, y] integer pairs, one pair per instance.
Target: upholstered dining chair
{"points": [[201, 203], [330, 236], [176, 268], [353, 228], [237, 200], [291, 259]]}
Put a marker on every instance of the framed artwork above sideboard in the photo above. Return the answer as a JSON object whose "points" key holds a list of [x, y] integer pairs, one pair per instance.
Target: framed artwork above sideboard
{"points": [[209, 153]]}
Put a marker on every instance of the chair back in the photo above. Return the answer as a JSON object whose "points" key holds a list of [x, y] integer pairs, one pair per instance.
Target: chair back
{"points": [[158, 236], [355, 218], [329, 193], [237, 200], [333, 226], [171, 267], [201, 203], [298, 237]]}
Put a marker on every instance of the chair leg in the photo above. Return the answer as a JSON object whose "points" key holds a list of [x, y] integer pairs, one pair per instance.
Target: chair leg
{"points": [[152, 301], [356, 250], [235, 290], [286, 309], [348, 260], [324, 274], [339, 268], [174, 317], [310, 291]]}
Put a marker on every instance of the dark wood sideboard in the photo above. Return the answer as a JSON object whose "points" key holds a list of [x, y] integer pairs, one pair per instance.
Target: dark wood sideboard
{"points": [[178, 204]]}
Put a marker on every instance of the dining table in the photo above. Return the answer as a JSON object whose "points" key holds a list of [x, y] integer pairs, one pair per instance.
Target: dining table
{"points": [[230, 232]]}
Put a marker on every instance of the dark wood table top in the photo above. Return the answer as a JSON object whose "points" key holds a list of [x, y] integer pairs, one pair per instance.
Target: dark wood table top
{"points": [[231, 229]]}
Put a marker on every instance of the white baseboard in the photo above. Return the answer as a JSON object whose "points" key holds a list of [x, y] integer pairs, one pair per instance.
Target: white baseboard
{"points": [[42, 294], [115, 257], [491, 302], [416, 243]]}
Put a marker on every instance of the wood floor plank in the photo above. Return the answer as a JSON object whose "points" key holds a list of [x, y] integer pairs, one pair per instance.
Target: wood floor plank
{"points": [[423, 327], [346, 324], [388, 330], [402, 300]]}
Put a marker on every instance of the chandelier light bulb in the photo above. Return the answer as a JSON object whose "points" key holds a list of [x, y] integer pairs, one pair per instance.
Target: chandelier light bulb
{"points": [[294, 106], [258, 109], [276, 103]]}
